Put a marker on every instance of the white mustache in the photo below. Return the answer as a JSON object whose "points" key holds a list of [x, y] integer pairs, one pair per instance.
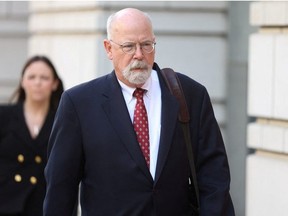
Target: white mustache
{"points": [[137, 77], [138, 64]]}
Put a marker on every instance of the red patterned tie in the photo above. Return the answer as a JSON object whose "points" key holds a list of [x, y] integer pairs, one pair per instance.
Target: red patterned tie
{"points": [[140, 123]]}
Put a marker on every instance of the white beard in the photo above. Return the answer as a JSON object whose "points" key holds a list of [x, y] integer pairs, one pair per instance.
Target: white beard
{"points": [[137, 78]]}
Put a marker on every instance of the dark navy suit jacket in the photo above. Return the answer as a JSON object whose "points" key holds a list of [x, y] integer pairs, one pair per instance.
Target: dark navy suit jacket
{"points": [[93, 142]]}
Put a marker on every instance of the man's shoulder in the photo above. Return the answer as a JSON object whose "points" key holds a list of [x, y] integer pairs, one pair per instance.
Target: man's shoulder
{"points": [[190, 83], [94, 85], [184, 79]]}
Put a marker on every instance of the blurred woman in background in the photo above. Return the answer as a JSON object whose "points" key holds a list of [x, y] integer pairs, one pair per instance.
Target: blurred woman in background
{"points": [[25, 127]]}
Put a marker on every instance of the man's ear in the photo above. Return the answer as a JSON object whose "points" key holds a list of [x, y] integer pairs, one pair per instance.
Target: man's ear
{"points": [[108, 47]]}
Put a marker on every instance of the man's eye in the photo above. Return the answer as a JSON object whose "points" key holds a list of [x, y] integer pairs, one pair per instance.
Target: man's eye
{"points": [[128, 46], [145, 45]]}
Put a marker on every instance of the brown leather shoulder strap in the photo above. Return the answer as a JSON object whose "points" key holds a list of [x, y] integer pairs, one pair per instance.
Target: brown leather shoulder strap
{"points": [[175, 88]]}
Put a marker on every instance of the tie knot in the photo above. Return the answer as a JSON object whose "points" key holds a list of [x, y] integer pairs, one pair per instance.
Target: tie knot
{"points": [[138, 93]]}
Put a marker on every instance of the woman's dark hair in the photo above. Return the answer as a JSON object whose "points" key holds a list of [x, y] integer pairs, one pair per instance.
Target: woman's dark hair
{"points": [[19, 95]]}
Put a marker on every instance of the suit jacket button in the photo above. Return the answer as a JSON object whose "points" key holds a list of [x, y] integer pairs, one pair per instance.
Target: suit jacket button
{"points": [[18, 178], [33, 180], [38, 159], [20, 158]]}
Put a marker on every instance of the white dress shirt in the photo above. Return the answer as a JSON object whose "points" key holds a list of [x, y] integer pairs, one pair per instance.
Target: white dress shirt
{"points": [[152, 100]]}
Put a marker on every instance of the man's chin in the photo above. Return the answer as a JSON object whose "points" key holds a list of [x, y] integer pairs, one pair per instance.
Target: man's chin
{"points": [[138, 70], [138, 80]]}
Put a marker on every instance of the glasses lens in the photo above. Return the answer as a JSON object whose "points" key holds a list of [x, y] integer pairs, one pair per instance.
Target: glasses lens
{"points": [[129, 48], [147, 47]]}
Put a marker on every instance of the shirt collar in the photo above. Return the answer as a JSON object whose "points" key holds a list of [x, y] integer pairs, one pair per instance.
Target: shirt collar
{"points": [[128, 91]]}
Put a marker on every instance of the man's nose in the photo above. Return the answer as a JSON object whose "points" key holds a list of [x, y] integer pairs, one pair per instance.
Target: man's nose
{"points": [[138, 52]]}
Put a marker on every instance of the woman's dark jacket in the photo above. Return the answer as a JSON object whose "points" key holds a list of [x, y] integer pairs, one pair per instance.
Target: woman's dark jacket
{"points": [[22, 162]]}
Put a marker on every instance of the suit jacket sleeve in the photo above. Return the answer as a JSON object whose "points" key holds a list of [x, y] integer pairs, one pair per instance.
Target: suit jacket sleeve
{"points": [[64, 163], [211, 162], [212, 165]]}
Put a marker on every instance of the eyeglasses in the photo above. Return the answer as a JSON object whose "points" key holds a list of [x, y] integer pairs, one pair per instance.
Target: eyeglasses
{"points": [[130, 47]]}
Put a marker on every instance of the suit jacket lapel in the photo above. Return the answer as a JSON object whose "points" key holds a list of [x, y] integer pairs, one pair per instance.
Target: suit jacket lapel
{"points": [[116, 110], [170, 109], [20, 127], [22, 132]]}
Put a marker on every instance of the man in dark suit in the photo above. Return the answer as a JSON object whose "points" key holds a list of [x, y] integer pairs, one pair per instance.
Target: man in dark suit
{"points": [[94, 143]]}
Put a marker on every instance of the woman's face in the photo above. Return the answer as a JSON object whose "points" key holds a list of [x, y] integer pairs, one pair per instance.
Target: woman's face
{"points": [[38, 82]]}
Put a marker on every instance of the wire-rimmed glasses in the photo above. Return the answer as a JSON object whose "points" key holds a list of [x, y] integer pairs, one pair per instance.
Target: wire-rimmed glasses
{"points": [[130, 47]]}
